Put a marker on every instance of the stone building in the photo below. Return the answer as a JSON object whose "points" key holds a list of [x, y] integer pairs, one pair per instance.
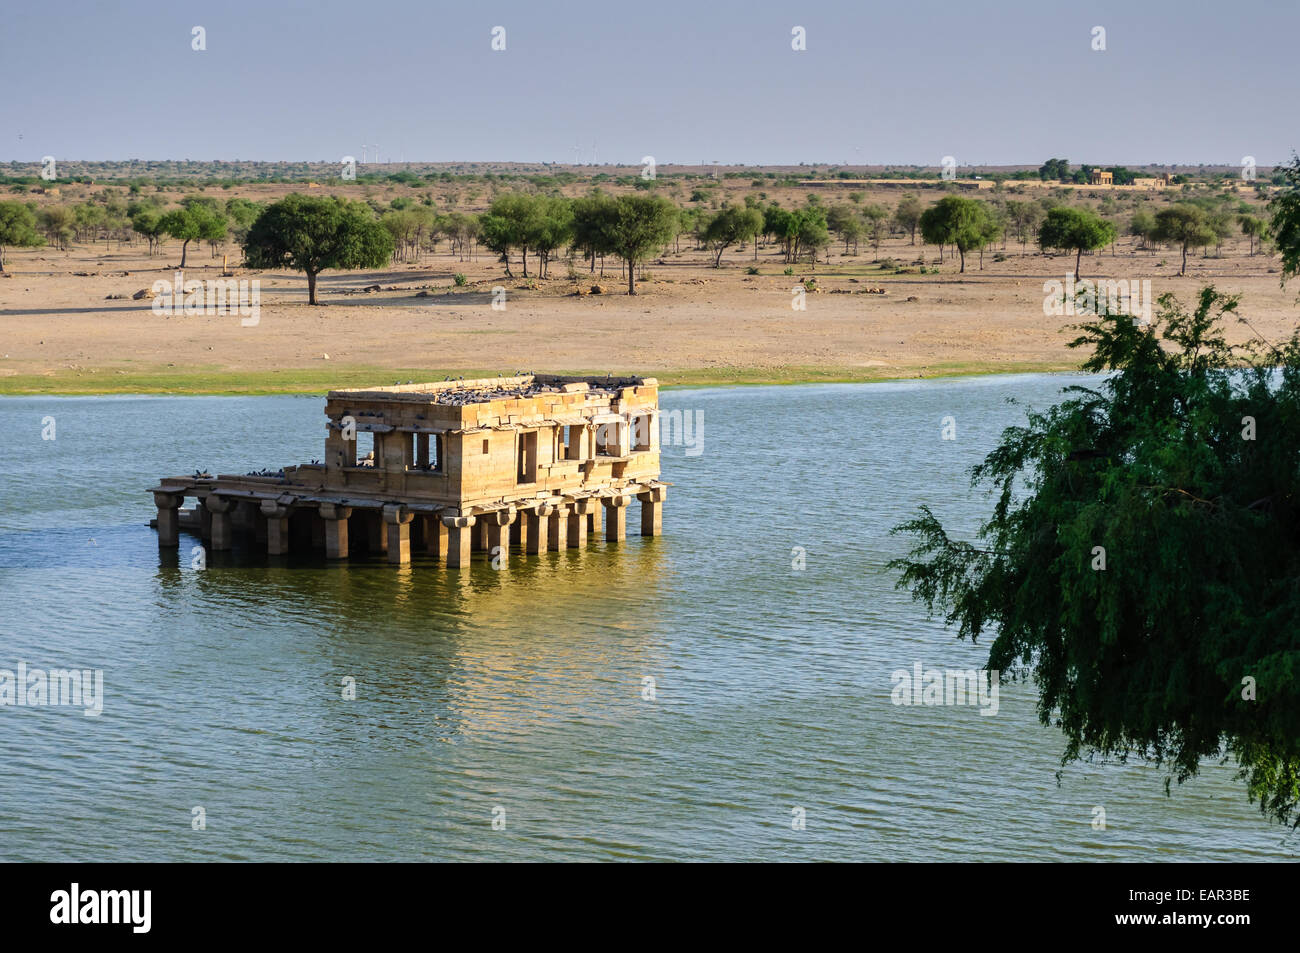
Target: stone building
{"points": [[537, 461]]}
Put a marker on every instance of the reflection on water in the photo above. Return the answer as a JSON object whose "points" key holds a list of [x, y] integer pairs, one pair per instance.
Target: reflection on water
{"points": [[522, 689]]}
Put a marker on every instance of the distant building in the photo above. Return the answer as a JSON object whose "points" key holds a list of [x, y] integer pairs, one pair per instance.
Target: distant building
{"points": [[1101, 177]]}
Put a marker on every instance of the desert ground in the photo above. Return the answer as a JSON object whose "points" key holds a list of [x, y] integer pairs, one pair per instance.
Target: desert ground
{"points": [[69, 323]]}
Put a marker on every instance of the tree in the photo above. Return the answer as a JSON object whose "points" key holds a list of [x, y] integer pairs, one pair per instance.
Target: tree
{"points": [[641, 226], [146, 221], [553, 228], [956, 221], [1253, 228], [731, 226], [781, 225], [1024, 217], [1075, 229], [400, 225], [1142, 226], [810, 233], [512, 221], [461, 230], [593, 224], [311, 234], [907, 215], [1142, 552], [1055, 170], [1184, 224], [1285, 223], [58, 222], [846, 222], [17, 229], [196, 220], [241, 214], [875, 221]]}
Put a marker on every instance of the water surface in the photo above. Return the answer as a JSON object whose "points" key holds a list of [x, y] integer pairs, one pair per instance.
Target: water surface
{"points": [[522, 690]]}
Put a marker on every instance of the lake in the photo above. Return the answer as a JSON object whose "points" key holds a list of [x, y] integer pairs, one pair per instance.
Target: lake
{"points": [[507, 715]]}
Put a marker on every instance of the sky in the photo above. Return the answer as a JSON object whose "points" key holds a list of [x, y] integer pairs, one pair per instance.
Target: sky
{"points": [[992, 83]]}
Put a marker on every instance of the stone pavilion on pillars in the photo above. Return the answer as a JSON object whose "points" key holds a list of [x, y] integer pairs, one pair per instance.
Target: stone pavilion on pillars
{"points": [[535, 461]]}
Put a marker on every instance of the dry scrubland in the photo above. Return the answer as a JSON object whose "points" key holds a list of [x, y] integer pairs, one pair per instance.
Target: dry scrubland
{"points": [[689, 324]]}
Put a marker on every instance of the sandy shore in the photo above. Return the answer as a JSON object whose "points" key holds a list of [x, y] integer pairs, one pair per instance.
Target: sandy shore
{"points": [[690, 324]]}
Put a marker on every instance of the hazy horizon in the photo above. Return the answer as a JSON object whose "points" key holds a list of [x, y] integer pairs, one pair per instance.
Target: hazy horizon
{"points": [[988, 84]]}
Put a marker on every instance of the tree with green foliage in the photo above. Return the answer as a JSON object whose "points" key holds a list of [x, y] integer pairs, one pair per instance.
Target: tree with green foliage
{"points": [[846, 222], [311, 234], [733, 225], [1142, 226], [1024, 217], [907, 215], [1186, 225], [1284, 226], [780, 224], [1254, 228], [1054, 170], [1070, 228], [953, 220], [1142, 553], [242, 213], [593, 224], [58, 222], [146, 220], [196, 220], [512, 221], [553, 229], [641, 227], [17, 228], [810, 234], [875, 223]]}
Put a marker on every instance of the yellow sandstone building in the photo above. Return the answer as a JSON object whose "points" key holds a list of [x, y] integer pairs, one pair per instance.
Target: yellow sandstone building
{"points": [[536, 461]]}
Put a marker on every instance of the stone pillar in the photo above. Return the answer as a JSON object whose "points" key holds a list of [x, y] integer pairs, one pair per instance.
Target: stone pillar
{"points": [[616, 518], [397, 526], [479, 538], [577, 524], [555, 526], [536, 530], [335, 518], [169, 526], [593, 517], [498, 526], [652, 510], [517, 532], [277, 527], [435, 537], [223, 526], [459, 530]]}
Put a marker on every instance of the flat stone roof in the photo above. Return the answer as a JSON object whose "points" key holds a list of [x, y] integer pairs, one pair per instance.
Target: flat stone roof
{"points": [[459, 392]]}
